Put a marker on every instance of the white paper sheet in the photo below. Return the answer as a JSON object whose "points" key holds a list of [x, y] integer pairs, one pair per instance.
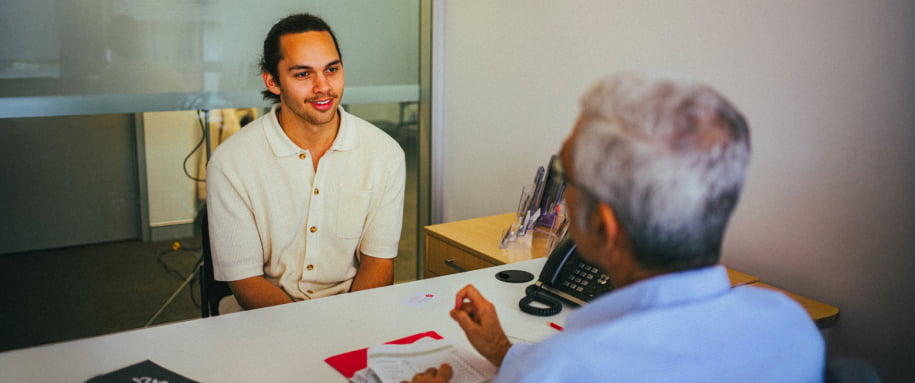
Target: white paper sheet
{"points": [[399, 362]]}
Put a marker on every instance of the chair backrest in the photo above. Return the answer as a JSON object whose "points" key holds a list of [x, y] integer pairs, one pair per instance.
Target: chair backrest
{"points": [[850, 370], [211, 290]]}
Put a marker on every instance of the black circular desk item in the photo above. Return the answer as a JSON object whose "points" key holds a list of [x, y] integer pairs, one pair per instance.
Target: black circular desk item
{"points": [[535, 294], [514, 276]]}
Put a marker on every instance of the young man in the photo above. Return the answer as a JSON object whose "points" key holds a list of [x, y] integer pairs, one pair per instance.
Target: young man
{"points": [[654, 169], [306, 201]]}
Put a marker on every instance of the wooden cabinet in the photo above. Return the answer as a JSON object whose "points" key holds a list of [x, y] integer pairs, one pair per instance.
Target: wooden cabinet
{"points": [[474, 244], [443, 259]]}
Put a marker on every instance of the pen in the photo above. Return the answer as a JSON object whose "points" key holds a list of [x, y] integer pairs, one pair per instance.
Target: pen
{"points": [[556, 326]]}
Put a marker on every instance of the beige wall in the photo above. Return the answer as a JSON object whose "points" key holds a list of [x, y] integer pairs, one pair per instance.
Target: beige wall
{"points": [[169, 138], [826, 85]]}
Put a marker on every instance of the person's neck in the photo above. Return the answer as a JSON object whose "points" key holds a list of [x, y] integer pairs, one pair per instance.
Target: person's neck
{"points": [[627, 270], [637, 275], [314, 138]]}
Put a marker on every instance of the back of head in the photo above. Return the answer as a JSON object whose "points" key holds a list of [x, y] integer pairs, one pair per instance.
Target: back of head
{"points": [[670, 158], [297, 23]]}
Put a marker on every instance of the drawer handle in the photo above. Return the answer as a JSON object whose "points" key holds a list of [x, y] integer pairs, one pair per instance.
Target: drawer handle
{"points": [[450, 263]]}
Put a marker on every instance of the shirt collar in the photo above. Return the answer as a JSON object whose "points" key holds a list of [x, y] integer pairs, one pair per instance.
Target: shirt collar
{"points": [[666, 290], [283, 146], [347, 138]]}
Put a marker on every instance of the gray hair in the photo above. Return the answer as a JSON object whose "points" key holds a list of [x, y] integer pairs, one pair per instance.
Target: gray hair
{"points": [[670, 158]]}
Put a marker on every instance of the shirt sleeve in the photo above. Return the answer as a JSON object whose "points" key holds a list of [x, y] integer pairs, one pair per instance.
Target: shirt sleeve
{"points": [[385, 217], [534, 363], [513, 366], [234, 240]]}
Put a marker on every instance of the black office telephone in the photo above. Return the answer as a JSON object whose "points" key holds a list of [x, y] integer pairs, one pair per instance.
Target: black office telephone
{"points": [[564, 276]]}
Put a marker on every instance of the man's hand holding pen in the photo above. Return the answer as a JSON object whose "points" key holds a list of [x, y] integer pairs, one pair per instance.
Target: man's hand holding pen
{"points": [[477, 317]]}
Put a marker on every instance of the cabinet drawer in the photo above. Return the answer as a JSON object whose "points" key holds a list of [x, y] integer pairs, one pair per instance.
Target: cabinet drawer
{"points": [[444, 259]]}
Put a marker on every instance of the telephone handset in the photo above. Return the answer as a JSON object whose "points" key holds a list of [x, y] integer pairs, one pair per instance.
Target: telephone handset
{"points": [[567, 277]]}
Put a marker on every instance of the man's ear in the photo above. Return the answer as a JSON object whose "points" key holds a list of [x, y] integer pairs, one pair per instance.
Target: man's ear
{"points": [[607, 225], [271, 83]]}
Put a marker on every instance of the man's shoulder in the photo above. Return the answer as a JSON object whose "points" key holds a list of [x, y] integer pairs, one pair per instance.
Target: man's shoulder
{"points": [[770, 302], [649, 344], [567, 356], [373, 136], [241, 144]]}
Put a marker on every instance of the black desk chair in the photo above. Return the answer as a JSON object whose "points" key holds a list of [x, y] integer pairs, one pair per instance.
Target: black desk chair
{"points": [[211, 290], [850, 370]]}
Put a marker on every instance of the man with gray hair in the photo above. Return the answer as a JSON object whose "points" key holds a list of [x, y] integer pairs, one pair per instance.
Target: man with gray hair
{"points": [[654, 169]]}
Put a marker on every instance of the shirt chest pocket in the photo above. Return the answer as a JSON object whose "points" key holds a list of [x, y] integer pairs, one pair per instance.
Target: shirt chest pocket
{"points": [[352, 210]]}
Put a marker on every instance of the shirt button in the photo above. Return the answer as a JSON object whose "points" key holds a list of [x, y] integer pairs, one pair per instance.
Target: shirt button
{"points": [[313, 229], [317, 191], [302, 156], [310, 267], [310, 291]]}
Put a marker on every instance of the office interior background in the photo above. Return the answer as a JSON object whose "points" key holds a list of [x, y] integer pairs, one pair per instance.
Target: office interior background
{"points": [[103, 104], [827, 87]]}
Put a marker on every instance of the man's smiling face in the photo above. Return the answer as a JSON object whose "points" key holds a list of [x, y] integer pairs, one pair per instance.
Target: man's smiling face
{"points": [[310, 83]]}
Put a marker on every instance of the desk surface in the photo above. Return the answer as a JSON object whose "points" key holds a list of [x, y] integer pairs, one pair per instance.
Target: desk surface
{"points": [[283, 343]]}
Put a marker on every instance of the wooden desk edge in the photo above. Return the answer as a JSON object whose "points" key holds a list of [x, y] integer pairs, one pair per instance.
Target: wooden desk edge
{"points": [[739, 278], [824, 315]]}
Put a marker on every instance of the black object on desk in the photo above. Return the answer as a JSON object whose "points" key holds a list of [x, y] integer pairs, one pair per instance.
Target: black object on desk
{"points": [[145, 371], [514, 276]]}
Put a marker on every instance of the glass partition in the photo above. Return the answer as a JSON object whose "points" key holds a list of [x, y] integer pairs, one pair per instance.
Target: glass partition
{"points": [[68, 57]]}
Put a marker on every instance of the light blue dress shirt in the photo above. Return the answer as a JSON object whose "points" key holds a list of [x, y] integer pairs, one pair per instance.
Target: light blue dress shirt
{"points": [[681, 327]]}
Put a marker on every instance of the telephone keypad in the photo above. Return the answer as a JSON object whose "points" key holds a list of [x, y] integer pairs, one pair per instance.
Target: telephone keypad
{"points": [[569, 277], [584, 279]]}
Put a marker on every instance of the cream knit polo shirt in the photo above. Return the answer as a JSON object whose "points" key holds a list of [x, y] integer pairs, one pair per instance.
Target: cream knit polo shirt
{"points": [[271, 214]]}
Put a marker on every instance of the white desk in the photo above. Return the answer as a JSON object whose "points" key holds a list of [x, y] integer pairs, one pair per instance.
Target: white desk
{"points": [[284, 343]]}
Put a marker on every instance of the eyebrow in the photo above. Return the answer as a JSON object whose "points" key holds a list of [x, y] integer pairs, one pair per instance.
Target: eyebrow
{"points": [[306, 67]]}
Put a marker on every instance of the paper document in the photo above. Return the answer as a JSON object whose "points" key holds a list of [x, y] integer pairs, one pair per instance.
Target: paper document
{"points": [[400, 362], [348, 363]]}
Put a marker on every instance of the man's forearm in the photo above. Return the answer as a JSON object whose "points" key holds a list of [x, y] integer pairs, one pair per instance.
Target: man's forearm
{"points": [[373, 272], [257, 292]]}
